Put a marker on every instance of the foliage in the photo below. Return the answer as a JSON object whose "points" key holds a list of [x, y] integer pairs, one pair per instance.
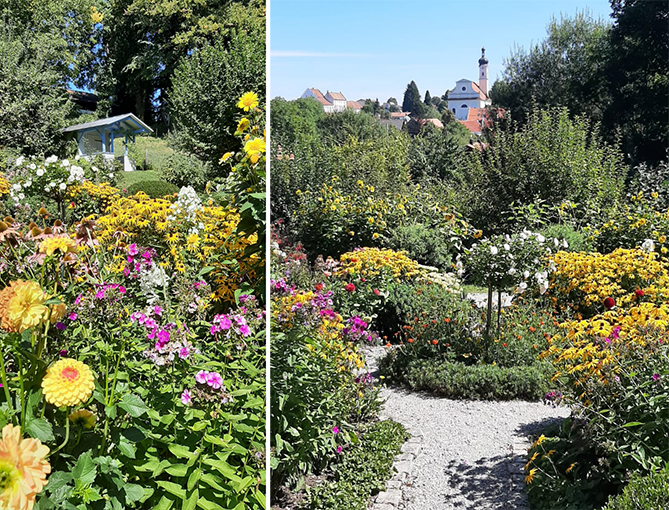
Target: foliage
{"points": [[205, 90], [244, 188], [153, 189], [643, 493], [651, 180], [89, 200], [293, 120], [566, 69], [362, 470], [550, 159], [640, 222], [411, 101], [338, 128], [476, 382], [187, 170], [577, 240], [421, 245], [436, 154]]}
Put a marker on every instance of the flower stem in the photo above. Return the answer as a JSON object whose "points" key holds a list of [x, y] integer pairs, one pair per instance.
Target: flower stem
{"points": [[5, 387], [67, 434]]}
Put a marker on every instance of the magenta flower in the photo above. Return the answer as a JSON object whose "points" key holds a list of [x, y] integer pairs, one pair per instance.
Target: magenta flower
{"points": [[244, 330], [60, 326], [186, 398], [339, 449], [201, 376], [132, 249], [656, 377], [184, 352], [62, 353], [73, 316], [100, 294], [214, 380], [335, 430], [157, 310]]}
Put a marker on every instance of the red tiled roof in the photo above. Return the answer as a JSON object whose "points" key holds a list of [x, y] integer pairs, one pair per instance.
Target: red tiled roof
{"points": [[435, 122], [397, 115], [319, 97], [337, 96], [473, 125], [476, 88], [354, 105]]}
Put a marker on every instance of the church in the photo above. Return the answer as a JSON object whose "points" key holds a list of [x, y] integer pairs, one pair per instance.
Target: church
{"points": [[468, 99]]}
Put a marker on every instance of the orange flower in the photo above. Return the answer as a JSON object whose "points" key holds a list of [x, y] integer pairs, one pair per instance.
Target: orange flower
{"points": [[435, 342], [447, 320], [532, 329], [410, 340], [504, 344]]}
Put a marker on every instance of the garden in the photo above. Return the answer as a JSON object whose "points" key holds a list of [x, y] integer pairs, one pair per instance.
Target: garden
{"points": [[532, 270]]}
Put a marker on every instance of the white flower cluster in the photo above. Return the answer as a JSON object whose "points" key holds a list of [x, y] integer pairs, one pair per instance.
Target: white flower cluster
{"points": [[648, 246], [152, 279], [186, 208], [31, 172]]}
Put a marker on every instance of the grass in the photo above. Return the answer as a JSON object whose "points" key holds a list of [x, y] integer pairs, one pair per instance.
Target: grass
{"points": [[474, 289], [126, 179], [156, 151]]}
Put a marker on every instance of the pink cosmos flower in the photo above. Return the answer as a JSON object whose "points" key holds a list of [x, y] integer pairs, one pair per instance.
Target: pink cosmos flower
{"points": [[201, 376], [184, 352], [186, 398], [132, 249]]}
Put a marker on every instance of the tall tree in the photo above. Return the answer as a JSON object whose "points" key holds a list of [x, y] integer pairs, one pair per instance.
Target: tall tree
{"points": [[566, 69], [638, 73], [428, 98], [411, 97]]}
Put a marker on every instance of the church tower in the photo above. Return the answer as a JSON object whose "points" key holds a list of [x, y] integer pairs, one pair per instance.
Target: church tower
{"points": [[483, 72]]}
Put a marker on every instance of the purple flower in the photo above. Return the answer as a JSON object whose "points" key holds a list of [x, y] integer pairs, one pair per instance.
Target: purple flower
{"points": [[132, 249], [244, 330], [62, 353], [339, 449], [184, 352], [73, 316], [335, 430], [60, 326], [656, 377], [201, 376], [186, 398]]}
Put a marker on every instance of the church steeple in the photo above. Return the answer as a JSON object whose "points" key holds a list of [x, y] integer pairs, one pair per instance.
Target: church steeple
{"points": [[483, 72]]}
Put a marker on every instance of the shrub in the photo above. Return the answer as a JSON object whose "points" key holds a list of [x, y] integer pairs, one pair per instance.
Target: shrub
{"points": [[649, 492], [186, 170], [475, 382], [153, 189], [422, 244], [577, 241], [362, 471]]}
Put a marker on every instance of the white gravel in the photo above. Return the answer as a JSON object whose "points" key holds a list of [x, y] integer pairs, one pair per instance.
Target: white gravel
{"points": [[465, 461]]}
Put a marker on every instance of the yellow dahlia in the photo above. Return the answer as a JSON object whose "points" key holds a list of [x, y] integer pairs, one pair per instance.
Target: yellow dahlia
{"points": [[67, 383], [26, 308], [58, 312], [61, 243], [84, 418], [23, 469], [248, 101]]}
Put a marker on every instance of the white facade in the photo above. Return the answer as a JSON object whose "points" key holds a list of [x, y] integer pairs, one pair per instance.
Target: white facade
{"points": [[337, 100], [464, 96], [469, 94], [332, 101]]}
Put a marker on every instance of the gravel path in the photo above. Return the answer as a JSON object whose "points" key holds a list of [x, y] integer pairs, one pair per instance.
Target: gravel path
{"points": [[471, 453]]}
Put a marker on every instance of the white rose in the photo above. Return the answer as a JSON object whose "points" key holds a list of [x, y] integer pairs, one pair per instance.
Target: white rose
{"points": [[51, 159], [526, 274], [512, 271], [540, 238], [493, 250], [62, 186], [40, 172], [19, 161], [507, 247], [65, 162]]}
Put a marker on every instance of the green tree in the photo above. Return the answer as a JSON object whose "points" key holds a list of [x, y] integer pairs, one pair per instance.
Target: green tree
{"points": [[566, 69], [411, 97], [205, 90], [293, 119], [638, 76], [428, 98]]}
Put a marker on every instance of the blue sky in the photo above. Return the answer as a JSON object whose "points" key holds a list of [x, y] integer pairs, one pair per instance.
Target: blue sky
{"points": [[374, 48]]}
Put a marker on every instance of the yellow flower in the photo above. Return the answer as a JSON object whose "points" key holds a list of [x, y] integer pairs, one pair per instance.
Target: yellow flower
{"points": [[662, 239], [530, 476], [226, 157], [84, 418], [243, 124], [478, 234], [67, 383], [6, 295], [26, 308], [62, 243], [248, 101], [569, 469], [254, 158], [23, 469], [254, 146]]}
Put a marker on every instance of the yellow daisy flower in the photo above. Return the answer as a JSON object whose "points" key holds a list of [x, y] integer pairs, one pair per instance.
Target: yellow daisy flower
{"points": [[248, 101]]}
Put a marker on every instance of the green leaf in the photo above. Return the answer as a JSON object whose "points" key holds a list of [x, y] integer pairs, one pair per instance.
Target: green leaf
{"points": [[85, 469], [224, 468], [164, 503], [193, 479], [133, 405], [633, 424], [40, 429], [177, 470], [191, 502], [180, 451], [127, 448], [133, 492], [172, 488]]}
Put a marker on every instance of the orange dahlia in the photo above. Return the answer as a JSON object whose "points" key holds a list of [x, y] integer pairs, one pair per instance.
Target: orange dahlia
{"points": [[23, 469], [6, 295], [67, 383]]}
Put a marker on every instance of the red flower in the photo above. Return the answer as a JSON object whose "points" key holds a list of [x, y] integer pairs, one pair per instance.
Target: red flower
{"points": [[609, 303], [504, 344], [410, 340], [435, 342], [319, 287], [377, 292], [639, 293], [350, 287]]}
